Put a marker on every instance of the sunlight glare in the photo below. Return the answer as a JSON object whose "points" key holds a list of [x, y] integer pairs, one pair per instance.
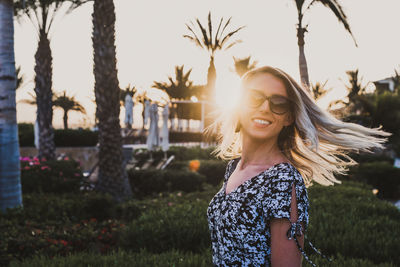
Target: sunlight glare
{"points": [[227, 93]]}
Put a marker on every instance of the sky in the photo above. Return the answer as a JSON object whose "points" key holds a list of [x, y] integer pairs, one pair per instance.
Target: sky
{"points": [[150, 43]]}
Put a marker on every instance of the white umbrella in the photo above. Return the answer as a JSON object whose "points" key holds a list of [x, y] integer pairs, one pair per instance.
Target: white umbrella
{"points": [[128, 111], [153, 137], [146, 112], [164, 130], [36, 133]]}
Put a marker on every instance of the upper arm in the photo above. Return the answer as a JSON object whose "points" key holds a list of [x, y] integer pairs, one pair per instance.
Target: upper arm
{"points": [[284, 252]]}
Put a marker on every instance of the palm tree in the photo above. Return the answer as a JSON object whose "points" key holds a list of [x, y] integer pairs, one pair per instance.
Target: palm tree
{"points": [[212, 43], [358, 102], [179, 89], [42, 13], [302, 7], [242, 65], [10, 174], [319, 90], [112, 177], [67, 103]]}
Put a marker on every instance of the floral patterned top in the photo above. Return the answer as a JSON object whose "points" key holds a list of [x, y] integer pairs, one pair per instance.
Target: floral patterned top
{"points": [[239, 222]]}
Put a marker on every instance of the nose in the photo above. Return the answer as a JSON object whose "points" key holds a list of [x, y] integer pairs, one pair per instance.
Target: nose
{"points": [[265, 106]]}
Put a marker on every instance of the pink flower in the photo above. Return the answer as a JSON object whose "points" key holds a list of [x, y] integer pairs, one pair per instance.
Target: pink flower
{"points": [[27, 168], [45, 167], [170, 204], [66, 158]]}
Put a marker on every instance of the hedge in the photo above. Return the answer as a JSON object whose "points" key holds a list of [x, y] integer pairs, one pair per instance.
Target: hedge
{"points": [[148, 182], [62, 137]]}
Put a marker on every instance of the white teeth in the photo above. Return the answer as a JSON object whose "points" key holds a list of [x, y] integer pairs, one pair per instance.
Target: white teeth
{"points": [[262, 122]]}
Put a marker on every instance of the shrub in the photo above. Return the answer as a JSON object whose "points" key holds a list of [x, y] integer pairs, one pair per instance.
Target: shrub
{"points": [[213, 170], [370, 157], [62, 137], [348, 219], [147, 182], [57, 176], [381, 175], [71, 208], [122, 259], [181, 226], [50, 239], [25, 134], [75, 137]]}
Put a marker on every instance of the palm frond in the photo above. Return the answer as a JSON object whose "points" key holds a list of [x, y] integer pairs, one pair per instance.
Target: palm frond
{"points": [[204, 32], [210, 27], [337, 9], [229, 35], [223, 28], [232, 44], [193, 38], [216, 35]]}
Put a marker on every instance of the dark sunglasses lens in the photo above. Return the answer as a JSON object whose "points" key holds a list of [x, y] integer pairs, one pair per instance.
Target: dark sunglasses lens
{"points": [[279, 104]]}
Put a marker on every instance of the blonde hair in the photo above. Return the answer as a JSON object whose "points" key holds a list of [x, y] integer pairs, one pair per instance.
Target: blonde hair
{"points": [[316, 143]]}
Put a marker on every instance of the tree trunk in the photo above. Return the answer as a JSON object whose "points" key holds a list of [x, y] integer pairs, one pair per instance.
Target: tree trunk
{"points": [[65, 119], [112, 174], [10, 181], [302, 58], [211, 79], [43, 90]]}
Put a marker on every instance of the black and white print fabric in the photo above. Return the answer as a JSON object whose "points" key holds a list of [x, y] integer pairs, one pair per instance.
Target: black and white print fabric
{"points": [[239, 222]]}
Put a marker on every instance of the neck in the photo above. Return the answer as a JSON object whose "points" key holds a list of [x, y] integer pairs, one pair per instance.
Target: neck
{"points": [[263, 153]]}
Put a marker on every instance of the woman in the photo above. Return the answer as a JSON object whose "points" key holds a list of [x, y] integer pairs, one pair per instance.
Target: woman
{"points": [[278, 141]]}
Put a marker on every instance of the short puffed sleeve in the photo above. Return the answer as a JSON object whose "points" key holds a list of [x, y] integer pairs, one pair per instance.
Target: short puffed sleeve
{"points": [[278, 194]]}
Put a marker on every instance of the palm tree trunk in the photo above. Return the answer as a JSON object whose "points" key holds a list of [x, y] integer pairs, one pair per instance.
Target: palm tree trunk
{"points": [[10, 181], [65, 119], [43, 84], [302, 58], [112, 174], [211, 79]]}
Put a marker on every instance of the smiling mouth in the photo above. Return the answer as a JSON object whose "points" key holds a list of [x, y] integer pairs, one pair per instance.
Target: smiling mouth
{"points": [[262, 122]]}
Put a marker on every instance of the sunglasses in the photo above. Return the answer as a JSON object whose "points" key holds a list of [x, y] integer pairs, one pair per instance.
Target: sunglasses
{"points": [[277, 104]]}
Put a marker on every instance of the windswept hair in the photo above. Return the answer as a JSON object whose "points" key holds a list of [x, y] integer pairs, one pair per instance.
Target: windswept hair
{"points": [[316, 143]]}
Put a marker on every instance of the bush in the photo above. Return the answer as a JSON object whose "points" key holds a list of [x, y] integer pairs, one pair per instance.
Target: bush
{"points": [[148, 182], [58, 238], [51, 224], [122, 259], [349, 220], [75, 137], [71, 208], [25, 134], [381, 175], [181, 226], [213, 170], [370, 157], [56, 176], [62, 137]]}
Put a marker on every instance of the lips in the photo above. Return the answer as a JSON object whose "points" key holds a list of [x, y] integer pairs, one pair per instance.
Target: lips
{"points": [[261, 121]]}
